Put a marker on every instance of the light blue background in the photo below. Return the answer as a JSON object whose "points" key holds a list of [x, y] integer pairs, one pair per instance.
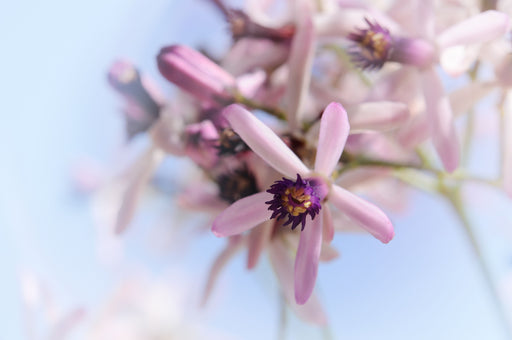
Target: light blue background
{"points": [[57, 107]]}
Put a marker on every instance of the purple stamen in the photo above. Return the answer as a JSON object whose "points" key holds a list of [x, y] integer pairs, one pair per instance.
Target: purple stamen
{"points": [[296, 200], [372, 46]]}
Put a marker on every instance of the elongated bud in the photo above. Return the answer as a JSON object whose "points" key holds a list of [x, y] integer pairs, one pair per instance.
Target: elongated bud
{"points": [[126, 80], [143, 106], [193, 72], [243, 26]]}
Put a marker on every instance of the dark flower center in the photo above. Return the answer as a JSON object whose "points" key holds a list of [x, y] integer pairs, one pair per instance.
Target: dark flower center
{"points": [[230, 143], [236, 185], [372, 46], [296, 199]]}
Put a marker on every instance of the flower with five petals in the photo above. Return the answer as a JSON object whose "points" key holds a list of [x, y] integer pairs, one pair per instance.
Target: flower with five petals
{"points": [[302, 195]]}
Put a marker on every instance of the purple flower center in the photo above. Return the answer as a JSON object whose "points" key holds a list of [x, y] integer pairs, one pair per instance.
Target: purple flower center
{"points": [[296, 200], [373, 46]]}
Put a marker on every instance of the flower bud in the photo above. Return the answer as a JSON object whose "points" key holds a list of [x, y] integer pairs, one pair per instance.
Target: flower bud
{"points": [[196, 74], [126, 80]]}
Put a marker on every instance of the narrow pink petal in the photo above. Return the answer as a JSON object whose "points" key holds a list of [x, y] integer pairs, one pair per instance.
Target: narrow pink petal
{"points": [[378, 116], [220, 262], [415, 132], [242, 215], [507, 146], [201, 197], [306, 262], [299, 66], [334, 129], [61, 330], [479, 28], [144, 168], [440, 117], [328, 253], [363, 212], [248, 54], [258, 240], [264, 142], [328, 227], [457, 60], [464, 98], [282, 263], [425, 18]]}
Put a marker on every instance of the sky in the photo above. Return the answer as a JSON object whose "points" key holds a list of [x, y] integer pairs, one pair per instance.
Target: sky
{"points": [[58, 109]]}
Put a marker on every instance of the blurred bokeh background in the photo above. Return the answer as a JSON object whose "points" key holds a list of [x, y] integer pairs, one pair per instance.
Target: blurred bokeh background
{"points": [[60, 117]]}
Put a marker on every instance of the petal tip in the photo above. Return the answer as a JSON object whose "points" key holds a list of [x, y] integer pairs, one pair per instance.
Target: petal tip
{"points": [[388, 235], [300, 297], [217, 230]]}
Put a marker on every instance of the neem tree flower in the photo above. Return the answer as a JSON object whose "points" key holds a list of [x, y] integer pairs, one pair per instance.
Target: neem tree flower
{"points": [[302, 195]]}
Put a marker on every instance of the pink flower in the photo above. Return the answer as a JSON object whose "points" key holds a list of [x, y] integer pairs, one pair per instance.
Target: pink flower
{"points": [[376, 46], [302, 201]]}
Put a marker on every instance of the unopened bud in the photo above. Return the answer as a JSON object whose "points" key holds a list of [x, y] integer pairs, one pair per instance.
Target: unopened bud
{"points": [[193, 72], [126, 80]]}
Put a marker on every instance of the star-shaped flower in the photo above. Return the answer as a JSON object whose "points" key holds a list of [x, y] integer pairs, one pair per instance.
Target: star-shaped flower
{"points": [[302, 195]]}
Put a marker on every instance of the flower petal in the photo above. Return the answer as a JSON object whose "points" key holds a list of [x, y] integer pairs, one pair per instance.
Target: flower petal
{"points": [[220, 262], [479, 28], [299, 65], [334, 129], [242, 215], [378, 116], [328, 253], [282, 263], [144, 168], [363, 212], [306, 262], [457, 60], [264, 142], [328, 227], [258, 239], [70, 321], [464, 98], [440, 116]]}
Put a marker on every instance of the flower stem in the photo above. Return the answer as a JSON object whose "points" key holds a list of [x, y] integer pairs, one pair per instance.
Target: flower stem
{"points": [[454, 197], [240, 99]]}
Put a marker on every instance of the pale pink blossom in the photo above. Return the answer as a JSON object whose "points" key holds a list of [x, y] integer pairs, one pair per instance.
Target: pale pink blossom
{"points": [[252, 210]]}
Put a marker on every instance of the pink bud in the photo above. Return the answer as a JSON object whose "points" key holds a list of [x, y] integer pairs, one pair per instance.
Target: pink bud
{"points": [[126, 80], [196, 74]]}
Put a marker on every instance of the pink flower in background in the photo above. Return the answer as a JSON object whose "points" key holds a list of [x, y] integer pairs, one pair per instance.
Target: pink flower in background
{"points": [[376, 45], [302, 199]]}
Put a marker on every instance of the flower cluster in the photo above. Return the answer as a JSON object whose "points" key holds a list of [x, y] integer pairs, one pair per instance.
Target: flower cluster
{"points": [[307, 106]]}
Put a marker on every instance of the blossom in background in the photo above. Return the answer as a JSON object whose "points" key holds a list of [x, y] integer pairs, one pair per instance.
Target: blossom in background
{"points": [[376, 45], [301, 200]]}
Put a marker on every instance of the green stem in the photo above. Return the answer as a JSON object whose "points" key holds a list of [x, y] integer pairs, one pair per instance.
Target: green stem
{"points": [[470, 123], [258, 106], [454, 197], [468, 136], [351, 162]]}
